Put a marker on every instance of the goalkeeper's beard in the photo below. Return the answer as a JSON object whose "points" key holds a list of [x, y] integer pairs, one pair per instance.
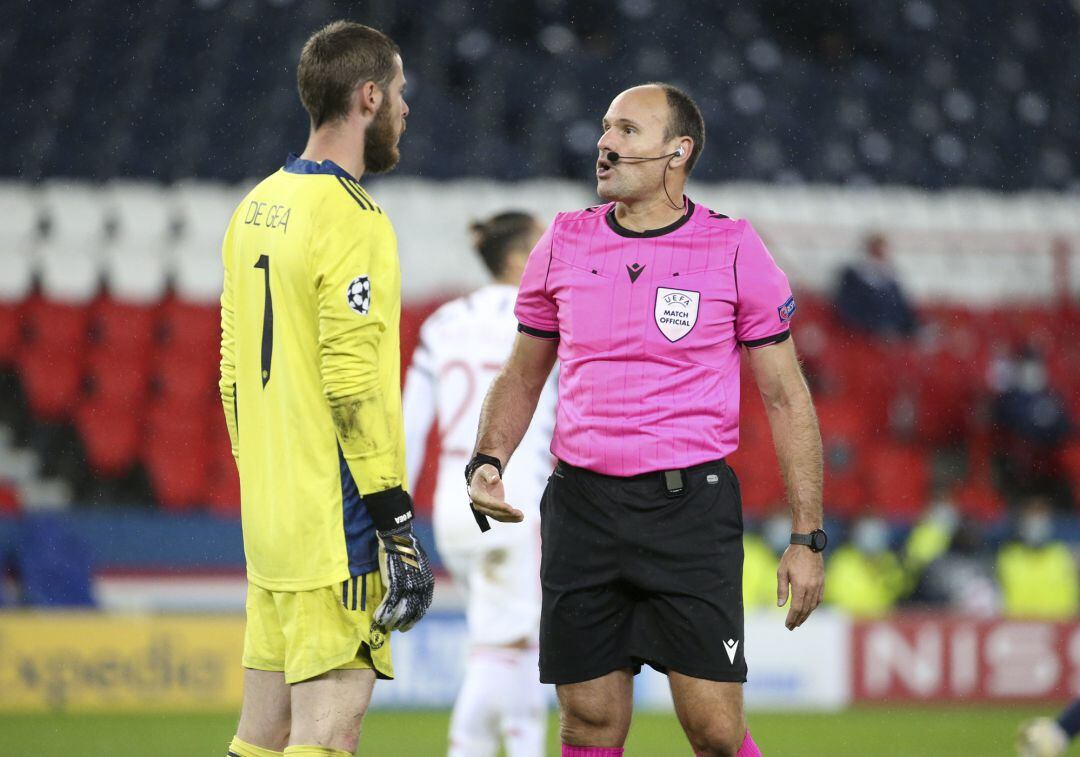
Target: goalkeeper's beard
{"points": [[380, 142]]}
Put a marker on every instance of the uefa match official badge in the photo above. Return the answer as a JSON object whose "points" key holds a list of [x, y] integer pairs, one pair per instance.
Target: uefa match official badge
{"points": [[676, 312]]}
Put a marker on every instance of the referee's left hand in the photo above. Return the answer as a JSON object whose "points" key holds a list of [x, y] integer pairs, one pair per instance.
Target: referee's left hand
{"points": [[489, 496], [803, 573]]}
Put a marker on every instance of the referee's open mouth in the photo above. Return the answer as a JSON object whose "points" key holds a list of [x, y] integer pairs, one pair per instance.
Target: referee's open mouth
{"points": [[603, 168]]}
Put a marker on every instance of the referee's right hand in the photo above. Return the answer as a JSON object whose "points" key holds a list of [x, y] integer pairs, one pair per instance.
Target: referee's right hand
{"points": [[489, 496]]}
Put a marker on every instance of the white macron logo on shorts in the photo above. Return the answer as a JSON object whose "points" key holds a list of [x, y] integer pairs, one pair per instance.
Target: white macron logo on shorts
{"points": [[676, 312], [730, 646]]}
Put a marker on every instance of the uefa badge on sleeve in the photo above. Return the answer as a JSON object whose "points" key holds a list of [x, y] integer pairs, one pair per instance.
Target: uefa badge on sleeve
{"points": [[787, 310], [359, 295]]}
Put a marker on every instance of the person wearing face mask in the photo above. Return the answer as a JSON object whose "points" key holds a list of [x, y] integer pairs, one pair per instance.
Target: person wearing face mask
{"points": [[865, 576], [1039, 580], [1037, 572], [931, 536], [1032, 422]]}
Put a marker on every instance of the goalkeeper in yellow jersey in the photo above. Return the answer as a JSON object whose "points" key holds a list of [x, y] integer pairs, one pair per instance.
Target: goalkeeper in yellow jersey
{"points": [[310, 385]]}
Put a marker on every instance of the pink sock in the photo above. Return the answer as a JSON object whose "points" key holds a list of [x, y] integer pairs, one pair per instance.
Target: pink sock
{"points": [[748, 748], [591, 751]]}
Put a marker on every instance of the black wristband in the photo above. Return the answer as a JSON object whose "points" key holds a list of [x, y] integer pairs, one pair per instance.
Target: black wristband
{"points": [[481, 459], [389, 509]]}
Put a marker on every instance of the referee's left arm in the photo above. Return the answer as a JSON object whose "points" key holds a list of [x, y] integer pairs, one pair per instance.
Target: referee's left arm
{"points": [[797, 440]]}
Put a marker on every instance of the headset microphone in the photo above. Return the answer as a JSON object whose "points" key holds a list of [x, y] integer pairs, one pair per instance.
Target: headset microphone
{"points": [[614, 157]]}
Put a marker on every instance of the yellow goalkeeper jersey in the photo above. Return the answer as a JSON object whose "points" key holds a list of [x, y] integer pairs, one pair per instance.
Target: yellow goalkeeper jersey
{"points": [[310, 372]]}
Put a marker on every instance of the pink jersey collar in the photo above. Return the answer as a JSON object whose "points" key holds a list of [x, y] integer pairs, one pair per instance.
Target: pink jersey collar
{"points": [[622, 231]]}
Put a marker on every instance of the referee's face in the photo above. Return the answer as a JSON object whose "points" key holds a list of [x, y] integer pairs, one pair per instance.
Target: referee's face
{"points": [[635, 125]]}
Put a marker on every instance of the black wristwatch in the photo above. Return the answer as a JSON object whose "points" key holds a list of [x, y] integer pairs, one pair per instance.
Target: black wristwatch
{"points": [[816, 540]]}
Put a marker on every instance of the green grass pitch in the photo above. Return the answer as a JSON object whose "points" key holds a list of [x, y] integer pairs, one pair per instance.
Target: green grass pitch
{"points": [[866, 732]]}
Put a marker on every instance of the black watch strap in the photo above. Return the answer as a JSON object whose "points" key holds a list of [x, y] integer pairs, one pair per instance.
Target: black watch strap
{"points": [[817, 540], [477, 460]]}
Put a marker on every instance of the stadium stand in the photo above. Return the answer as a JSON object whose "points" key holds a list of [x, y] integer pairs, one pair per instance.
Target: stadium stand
{"points": [[928, 93], [113, 368]]}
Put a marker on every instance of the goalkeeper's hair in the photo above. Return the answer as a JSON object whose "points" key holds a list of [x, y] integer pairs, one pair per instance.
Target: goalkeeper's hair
{"points": [[335, 61], [495, 238]]}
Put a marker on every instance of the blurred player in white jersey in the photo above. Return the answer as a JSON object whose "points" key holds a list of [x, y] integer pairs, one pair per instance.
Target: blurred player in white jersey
{"points": [[462, 346]]}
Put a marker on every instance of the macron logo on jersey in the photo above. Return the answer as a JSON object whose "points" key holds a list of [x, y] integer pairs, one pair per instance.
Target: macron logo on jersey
{"points": [[787, 310], [730, 646]]}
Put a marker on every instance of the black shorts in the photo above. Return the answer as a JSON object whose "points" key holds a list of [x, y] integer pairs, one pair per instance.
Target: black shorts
{"points": [[632, 576]]}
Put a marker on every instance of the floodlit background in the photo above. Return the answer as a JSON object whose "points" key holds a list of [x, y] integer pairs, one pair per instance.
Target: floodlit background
{"points": [[914, 167]]}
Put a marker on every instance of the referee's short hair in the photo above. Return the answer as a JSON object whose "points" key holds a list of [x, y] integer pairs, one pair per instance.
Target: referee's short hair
{"points": [[684, 120], [335, 61]]}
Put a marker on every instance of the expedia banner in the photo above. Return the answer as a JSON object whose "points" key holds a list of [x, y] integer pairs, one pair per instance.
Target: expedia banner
{"points": [[94, 662]]}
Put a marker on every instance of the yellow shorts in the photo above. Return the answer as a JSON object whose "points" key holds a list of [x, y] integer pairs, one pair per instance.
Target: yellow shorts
{"points": [[307, 633]]}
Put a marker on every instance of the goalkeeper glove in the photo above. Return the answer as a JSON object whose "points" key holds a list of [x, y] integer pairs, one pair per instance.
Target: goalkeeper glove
{"points": [[406, 574]]}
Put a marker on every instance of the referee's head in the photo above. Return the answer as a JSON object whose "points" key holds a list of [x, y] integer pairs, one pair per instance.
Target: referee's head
{"points": [[649, 121]]}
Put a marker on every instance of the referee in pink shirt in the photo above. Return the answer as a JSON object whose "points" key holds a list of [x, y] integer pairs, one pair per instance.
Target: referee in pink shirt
{"points": [[649, 301]]}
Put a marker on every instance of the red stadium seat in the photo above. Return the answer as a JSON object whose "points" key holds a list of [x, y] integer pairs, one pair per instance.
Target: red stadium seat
{"points": [[112, 436], [52, 380], [755, 461], [897, 478], [1069, 460], [177, 455], [58, 326], [179, 482], [122, 380], [223, 481], [978, 498], [186, 376], [192, 328], [10, 332], [945, 398], [125, 329]]}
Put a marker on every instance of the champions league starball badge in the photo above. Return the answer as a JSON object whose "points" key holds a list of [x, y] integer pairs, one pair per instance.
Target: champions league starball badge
{"points": [[359, 295], [676, 312]]}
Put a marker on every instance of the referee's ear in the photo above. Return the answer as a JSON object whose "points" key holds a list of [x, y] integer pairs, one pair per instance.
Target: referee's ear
{"points": [[686, 144]]}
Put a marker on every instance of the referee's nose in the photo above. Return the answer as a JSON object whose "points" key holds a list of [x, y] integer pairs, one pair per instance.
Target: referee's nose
{"points": [[604, 144]]}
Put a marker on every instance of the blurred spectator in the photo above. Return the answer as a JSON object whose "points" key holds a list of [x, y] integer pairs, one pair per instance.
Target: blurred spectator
{"points": [[869, 297], [961, 576], [864, 575], [931, 536], [1033, 424], [761, 556], [1038, 574]]}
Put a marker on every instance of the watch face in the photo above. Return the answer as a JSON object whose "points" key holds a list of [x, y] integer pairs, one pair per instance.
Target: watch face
{"points": [[818, 540]]}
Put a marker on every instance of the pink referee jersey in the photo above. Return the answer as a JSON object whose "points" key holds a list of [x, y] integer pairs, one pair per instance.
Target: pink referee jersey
{"points": [[649, 327]]}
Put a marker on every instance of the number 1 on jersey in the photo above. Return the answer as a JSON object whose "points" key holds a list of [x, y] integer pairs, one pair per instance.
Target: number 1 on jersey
{"points": [[268, 321]]}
